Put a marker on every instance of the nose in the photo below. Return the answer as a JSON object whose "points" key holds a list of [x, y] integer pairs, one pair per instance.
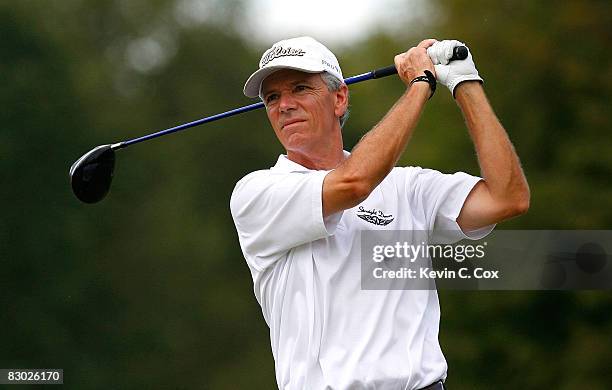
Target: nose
{"points": [[286, 102]]}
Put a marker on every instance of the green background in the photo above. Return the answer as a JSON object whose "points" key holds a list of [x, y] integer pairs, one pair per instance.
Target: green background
{"points": [[148, 289]]}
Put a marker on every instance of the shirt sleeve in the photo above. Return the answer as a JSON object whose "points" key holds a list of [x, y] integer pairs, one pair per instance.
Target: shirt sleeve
{"points": [[274, 212], [442, 196]]}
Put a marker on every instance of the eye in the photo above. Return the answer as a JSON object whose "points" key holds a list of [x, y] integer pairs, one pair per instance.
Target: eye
{"points": [[271, 98], [301, 88]]}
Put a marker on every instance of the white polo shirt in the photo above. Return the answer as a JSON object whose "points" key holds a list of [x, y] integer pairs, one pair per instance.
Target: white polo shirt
{"points": [[326, 332]]}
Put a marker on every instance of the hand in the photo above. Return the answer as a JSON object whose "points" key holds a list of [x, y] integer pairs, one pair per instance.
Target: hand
{"points": [[414, 62], [455, 72]]}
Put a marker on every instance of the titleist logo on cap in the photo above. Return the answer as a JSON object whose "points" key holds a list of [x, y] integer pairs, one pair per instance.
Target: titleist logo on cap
{"points": [[279, 51]]}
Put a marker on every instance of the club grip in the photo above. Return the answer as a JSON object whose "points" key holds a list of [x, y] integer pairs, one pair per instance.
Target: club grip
{"points": [[459, 53], [384, 72]]}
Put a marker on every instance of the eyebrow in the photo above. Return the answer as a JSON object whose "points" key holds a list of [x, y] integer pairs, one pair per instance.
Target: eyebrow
{"points": [[293, 84]]}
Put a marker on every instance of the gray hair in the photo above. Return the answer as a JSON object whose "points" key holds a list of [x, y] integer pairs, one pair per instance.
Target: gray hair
{"points": [[333, 85]]}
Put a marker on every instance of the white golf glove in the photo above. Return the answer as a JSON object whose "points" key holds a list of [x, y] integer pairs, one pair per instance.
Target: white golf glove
{"points": [[452, 73]]}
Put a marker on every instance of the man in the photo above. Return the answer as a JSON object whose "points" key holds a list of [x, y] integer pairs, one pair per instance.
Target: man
{"points": [[299, 222]]}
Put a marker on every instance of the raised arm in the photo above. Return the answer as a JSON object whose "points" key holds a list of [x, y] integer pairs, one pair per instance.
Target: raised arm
{"points": [[380, 149], [504, 192]]}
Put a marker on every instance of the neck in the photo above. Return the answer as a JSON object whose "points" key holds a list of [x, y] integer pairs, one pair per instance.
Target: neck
{"points": [[318, 161], [323, 156]]}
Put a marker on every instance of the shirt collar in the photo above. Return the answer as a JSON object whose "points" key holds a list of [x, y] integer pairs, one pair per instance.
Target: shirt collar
{"points": [[283, 164]]}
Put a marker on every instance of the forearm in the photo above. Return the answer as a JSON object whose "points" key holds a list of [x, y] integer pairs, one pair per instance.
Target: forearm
{"points": [[499, 163], [380, 149], [375, 154]]}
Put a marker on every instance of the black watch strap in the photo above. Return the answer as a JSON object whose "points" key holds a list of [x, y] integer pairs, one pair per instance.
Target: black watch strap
{"points": [[428, 78]]}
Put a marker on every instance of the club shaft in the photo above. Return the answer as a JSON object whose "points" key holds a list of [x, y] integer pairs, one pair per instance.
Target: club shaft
{"points": [[351, 80], [184, 126], [374, 74]]}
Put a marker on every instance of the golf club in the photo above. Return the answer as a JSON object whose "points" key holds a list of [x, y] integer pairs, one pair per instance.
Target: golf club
{"points": [[92, 174]]}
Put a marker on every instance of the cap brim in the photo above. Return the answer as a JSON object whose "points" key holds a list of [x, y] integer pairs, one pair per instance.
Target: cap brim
{"points": [[252, 85]]}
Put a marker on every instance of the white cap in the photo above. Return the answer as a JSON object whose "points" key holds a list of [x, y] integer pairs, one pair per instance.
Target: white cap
{"points": [[303, 53]]}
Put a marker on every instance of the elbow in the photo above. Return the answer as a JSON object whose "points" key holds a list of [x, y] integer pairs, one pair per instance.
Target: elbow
{"points": [[520, 208], [356, 190], [343, 191], [523, 206], [511, 206], [524, 200], [520, 205], [509, 210]]}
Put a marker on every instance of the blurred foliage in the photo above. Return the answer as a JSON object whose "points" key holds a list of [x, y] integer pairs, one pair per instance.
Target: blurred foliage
{"points": [[148, 289]]}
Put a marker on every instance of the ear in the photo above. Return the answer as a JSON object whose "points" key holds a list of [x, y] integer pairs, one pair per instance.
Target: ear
{"points": [[341, 100]]}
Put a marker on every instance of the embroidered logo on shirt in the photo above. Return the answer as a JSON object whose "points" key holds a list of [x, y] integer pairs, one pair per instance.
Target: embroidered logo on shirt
{"points": [[374, 216]]}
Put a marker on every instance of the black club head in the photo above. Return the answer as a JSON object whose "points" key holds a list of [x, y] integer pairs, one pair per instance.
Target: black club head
{"points": [[92, 174]]}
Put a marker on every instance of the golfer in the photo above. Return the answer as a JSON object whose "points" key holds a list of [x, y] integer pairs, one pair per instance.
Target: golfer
{"points": [[299, 222]]}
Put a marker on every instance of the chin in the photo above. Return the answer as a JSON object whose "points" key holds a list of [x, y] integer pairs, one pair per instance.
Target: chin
{"points": [[296, 142]]}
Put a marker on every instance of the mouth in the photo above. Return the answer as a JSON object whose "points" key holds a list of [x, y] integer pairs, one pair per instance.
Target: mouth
{"points": [[291, 122]]}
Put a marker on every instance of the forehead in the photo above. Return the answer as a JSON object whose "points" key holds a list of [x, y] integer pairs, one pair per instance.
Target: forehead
{"points": [[288, 77]]}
